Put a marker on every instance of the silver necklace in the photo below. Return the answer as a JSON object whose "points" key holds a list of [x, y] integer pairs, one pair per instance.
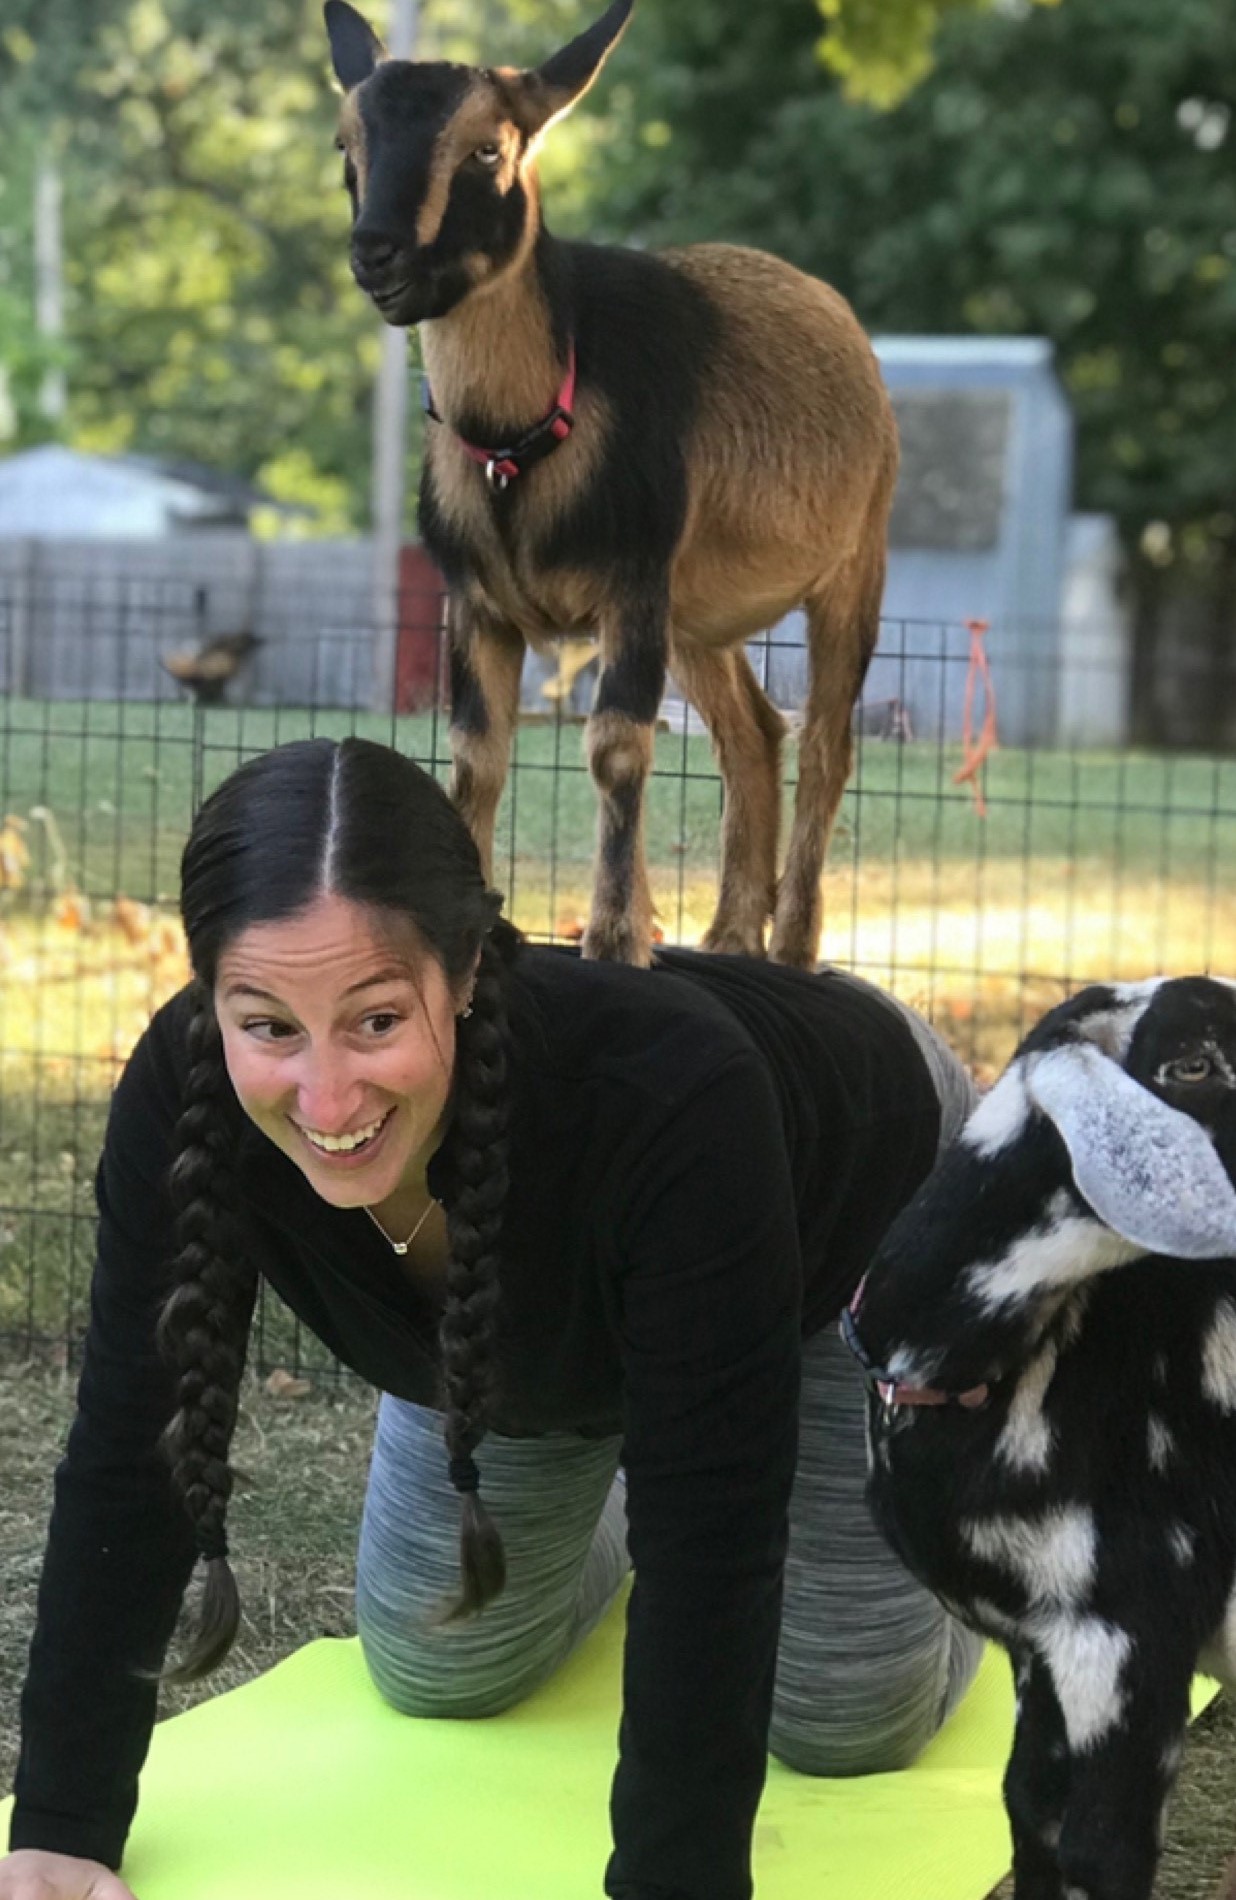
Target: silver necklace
{"points": [[401, 1246]]}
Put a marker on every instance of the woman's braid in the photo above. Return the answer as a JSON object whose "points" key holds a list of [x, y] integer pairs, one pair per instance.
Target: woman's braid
{"points": [[203, 1330], [479, 1155]]}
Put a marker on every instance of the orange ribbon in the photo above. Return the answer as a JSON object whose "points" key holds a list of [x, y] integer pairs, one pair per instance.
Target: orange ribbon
{"points": [[977, 749]]}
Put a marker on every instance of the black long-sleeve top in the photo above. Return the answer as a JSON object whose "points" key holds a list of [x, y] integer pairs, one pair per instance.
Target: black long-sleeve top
{"points": [[702, 1159]]}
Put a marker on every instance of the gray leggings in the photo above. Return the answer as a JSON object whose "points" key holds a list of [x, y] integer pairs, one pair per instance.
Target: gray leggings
{"points": [[869, 1665]]}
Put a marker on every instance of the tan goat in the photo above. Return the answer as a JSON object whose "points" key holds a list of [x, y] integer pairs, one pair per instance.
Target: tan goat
{"points": [[670, 449]]}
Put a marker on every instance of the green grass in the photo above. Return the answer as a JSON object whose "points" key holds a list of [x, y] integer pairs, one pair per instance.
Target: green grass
{"points": [[293, 1523], [122, 781]]}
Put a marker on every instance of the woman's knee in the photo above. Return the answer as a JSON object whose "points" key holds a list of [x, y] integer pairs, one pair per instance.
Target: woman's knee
{"points": [[450, 1672], [870, 1715], [838, 1750]]}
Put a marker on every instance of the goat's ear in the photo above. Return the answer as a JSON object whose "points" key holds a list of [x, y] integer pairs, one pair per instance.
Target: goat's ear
{"points": [[551, 89], [355, 48], [1149, 1172]]}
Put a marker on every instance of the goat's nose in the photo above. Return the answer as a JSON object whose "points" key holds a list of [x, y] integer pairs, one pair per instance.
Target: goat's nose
{"points": [[373, 251]]}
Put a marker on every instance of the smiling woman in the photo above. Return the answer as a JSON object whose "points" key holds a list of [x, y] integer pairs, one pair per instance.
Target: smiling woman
{"points": [[585, 1227], [341, 1055]]}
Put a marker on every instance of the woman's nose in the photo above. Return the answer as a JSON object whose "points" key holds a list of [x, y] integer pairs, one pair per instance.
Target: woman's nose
{"points": [[327, 1094]]}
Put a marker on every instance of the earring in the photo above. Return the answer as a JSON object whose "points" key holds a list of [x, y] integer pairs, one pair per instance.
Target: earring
{"points": [[465, 1012]]}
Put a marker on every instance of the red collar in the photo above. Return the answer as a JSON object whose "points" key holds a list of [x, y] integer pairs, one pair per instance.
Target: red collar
{"points": [[502, 465], [890, 1391]]}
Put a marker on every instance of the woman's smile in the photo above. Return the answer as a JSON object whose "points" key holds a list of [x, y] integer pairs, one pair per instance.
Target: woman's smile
{"points": [[350, 1145]]}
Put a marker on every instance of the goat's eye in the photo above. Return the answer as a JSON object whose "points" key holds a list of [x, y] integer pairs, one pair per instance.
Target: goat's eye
{"points": [[489, 155], [1188, 1069]]}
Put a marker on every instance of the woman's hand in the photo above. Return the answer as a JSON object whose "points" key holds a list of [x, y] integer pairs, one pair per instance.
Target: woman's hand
{"points": [[30, 1874]]}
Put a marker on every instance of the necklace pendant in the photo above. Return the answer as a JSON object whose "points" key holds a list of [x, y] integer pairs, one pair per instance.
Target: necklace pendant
{"points": [[400, 1246]]}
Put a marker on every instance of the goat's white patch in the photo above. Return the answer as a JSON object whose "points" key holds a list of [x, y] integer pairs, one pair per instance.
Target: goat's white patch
{"points": [[1027, 1441], [910, 1365], [1112, 1029], [1073, 1317], [1219, 1356], [1182, 1542], [1000, 1116], [1159, 1443], [1052, 1555], [1085, 1656], [1063, 1248], [1171, 1758]]}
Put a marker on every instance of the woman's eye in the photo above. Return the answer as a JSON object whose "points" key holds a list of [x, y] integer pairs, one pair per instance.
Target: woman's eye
{"points": [[382, 1022], [1189, 1069], [488, 155], [266, 1029]]}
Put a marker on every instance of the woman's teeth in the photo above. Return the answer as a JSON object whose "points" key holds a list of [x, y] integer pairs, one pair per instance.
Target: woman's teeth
{"points": [[342, 1144]]}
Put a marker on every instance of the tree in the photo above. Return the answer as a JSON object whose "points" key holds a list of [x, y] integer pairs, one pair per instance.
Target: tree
{"points": [[1064, 172], [212, 312]]}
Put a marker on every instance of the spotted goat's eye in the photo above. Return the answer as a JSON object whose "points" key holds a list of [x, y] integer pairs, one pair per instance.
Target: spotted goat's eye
{"points": [[1188, 1069], [490, 155]]}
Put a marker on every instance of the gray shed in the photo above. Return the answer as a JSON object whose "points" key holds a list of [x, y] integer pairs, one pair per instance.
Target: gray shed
{"points": [[978, 532]]}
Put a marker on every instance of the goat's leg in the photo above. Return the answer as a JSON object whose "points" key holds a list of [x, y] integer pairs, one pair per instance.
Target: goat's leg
{"points": [[843, 624], [620, 735], [746, 731], [1036, 1784], [1112, 1834], [486, 662]]}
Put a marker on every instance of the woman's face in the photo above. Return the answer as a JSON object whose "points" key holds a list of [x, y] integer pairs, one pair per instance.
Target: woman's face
{"points": [[339, 1048]]}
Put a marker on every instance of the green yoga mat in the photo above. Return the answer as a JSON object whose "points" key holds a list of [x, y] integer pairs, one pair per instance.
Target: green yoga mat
{"points": [[303, 1785]]}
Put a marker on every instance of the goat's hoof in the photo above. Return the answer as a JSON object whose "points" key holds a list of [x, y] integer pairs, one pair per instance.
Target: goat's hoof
{"points": [[618, 942], [726, 941], [793, 953]]}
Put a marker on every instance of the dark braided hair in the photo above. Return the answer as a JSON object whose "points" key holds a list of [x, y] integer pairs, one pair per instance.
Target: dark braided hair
{"points": [[203, 1330], [478, 1152], [359, 821]]}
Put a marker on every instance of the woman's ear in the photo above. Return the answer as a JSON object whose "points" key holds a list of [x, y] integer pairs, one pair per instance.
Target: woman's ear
{"points": [[466, 987]]}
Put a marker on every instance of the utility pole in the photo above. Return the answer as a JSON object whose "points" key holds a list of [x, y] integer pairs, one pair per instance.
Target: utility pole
{"points": [[49, 272], [390, 436]]}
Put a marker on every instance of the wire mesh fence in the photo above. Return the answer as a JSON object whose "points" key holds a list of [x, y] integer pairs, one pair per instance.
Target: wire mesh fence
{"points": [[1087, 865]]}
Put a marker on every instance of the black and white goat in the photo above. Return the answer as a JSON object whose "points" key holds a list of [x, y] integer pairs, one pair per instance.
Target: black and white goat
{"points": [[1049, 1332], [669, 451]]}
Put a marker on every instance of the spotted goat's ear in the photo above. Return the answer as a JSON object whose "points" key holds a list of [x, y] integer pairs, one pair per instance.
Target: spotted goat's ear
{"points": [[1149, 1172]]}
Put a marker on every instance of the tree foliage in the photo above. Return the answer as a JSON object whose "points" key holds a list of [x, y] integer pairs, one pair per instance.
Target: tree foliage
{"points": [[1064, 172]]}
